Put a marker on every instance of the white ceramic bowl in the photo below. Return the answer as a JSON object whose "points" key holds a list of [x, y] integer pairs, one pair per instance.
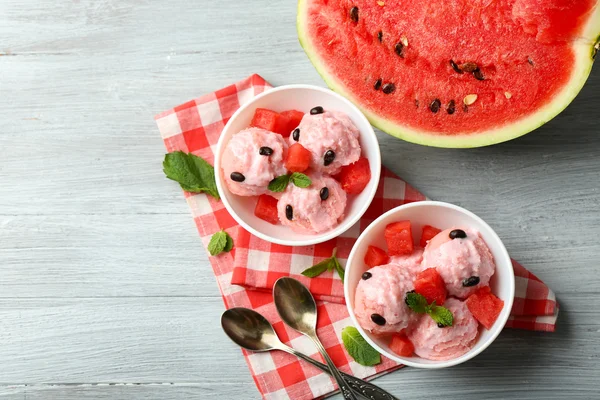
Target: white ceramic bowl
{"points": [[443, 216], [302, 98]]}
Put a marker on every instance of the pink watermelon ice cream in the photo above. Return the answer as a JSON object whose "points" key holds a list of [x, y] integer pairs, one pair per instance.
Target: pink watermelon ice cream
{"points": [[252, 158], [379, 299], [435, 343], [332, 139], [314, 209], [411, 263], [465, 262]]}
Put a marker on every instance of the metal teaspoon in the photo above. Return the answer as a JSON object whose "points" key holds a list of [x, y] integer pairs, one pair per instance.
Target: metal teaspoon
{"points": [[252, 331]]}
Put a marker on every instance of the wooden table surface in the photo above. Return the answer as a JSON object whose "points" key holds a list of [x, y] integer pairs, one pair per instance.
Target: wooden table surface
{"points": [[105, 290]]}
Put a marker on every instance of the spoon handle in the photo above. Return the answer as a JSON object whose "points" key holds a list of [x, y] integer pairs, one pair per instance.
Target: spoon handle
{"points": [[344, 388], [357, 385]]}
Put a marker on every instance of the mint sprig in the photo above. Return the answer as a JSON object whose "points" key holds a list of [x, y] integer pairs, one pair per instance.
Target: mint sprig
{"points": [[328, 264], [358, 348], [280, 183], [220, 242], [193, 173], [418, 303]]}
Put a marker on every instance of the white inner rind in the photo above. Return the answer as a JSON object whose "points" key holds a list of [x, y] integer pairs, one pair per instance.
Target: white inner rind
{"points": [[583, 48]]}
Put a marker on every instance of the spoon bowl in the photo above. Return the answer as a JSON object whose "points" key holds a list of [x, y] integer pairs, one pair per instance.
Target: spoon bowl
{"points": [[249, 329], [296, 305]]}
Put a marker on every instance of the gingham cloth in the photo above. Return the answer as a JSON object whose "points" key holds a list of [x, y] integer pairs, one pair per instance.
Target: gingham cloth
{"points": [[246, 274]]}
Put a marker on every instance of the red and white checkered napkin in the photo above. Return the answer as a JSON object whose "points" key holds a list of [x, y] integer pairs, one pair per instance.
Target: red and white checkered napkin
{"points": [[246, 274]]}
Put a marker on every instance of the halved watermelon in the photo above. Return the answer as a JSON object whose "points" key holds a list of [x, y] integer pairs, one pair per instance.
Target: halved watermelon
{"points": [[458, 73]]}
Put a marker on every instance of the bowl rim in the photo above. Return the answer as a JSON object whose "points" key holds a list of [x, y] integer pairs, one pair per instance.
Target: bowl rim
{"points": [[374, 160], [498, 326]]}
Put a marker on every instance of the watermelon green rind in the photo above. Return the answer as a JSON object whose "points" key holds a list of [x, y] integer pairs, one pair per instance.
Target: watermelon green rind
{"points": [[585, 48]]}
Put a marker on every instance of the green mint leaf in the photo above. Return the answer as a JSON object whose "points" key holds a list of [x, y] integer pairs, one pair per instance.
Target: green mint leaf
{"points": [[229, 244], [300, 180], [217, 243], [441, 315], [358, 348], [279, 184], [318, 268], [339, 268], [416, 302], [193, 173]]}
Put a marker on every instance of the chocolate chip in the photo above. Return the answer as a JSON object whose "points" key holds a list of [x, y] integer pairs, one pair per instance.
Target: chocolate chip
{"points": [[378, 83], [457, 234], [451, 107], [354, 14], [380, 36], [324, 194], [329, 157], [471, 281], [289, 212], [237, 177], [265, 151], [296, 134], [399, 49], [455, 67], [478, 75], [378, 319], [316, 110], [388, 88], [366, 276], [435, 106]]}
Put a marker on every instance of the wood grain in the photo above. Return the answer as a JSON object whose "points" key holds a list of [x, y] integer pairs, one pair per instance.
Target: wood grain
{"points": [[105, 291]]}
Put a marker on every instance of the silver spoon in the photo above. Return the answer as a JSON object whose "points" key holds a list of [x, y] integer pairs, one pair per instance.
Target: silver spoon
{"points": [[252, 331], [297, 308]]}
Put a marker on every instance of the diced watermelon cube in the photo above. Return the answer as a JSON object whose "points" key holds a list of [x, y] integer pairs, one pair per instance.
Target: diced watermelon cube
{"points": [[294, 117], [266, 209], [402, 346], [298, 158], [428, 233], [270, 120], [355, 177], [430, 284], [485, 306], [376, 256], [398, 236]]}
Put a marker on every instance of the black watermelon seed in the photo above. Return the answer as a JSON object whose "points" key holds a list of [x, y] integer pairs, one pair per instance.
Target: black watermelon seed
{"points": [[378, 319], [457, 234], [451, 107], [377, 85], [529, 60], [237, 177], [435, 106], [265, 151], [478, 75], [455, 67], [388, 88], [399, 49], [354, 14], [296, 134], [441, 325], [324, 194], [380, 36], [289, 212], [470, 281], [468, 67], [316, 110], [328, 157], [406, 297], [366, 276]]}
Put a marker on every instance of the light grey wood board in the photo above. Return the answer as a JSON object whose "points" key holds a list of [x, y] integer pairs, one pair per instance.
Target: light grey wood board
{"points": [[102, 276]]}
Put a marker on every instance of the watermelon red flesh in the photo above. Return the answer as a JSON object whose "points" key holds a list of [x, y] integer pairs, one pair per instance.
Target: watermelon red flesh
{"points": [[485, 306], [430, 284], [525, 49], [376, 256], [266, 209], [356, 176], [294, 117], [270, 120], [398, 236], [402, 346], [298, 158], [429, 232]]}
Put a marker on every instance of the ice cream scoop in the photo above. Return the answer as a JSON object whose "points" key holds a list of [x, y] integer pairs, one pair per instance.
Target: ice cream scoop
{"points": [[435, 343], [252, 158], [462, 258], [331, 137]]}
